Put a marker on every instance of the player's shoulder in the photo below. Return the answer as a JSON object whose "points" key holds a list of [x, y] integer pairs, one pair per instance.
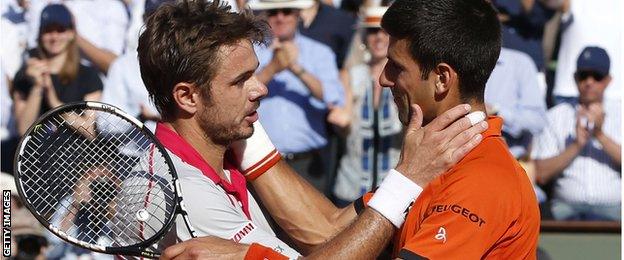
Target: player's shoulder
{"points": [[489, 168]]}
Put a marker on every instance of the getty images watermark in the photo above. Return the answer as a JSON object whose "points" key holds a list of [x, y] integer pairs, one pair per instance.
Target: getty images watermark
{"points": [[6, 223]]}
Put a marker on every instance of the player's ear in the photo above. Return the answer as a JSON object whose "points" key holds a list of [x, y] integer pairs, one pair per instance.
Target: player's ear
{"points": [[186, 97], [445, 77]]}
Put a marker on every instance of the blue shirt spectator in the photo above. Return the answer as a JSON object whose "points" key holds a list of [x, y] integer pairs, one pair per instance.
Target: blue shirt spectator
{"points": [[513, 92], [333, 27], [292, 117]]}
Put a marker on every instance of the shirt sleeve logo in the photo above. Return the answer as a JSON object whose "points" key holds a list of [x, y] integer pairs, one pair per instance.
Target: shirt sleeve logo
{"points": [[459, 210], [441, 235]]}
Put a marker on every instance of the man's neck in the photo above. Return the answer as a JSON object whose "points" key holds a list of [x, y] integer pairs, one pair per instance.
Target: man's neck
{"points": [[210, 151], [474, 106]]}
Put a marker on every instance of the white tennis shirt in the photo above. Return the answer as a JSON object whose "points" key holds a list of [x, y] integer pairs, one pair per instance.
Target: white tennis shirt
{"points": [[216, 207]]}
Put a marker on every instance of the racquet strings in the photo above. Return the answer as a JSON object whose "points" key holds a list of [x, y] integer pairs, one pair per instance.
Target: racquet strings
{"points": [[96, 178]]}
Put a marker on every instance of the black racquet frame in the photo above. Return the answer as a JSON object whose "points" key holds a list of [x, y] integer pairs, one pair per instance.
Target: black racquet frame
{"points": [[139, 249]]}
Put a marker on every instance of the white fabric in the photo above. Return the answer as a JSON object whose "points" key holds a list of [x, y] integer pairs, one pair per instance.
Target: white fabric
{"points": [[253, 150], [124, 89], [13, 44], [276, 4], [591, 177], [395, 194], [213, 212], [597, 23], [137, 8]]}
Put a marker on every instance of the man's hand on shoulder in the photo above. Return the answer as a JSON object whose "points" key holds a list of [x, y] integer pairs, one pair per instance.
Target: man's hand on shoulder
{"points": [[431, 150]]}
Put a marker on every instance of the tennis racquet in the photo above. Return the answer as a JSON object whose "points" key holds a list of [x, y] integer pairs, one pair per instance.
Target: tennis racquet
{"points": [[98, 178]]}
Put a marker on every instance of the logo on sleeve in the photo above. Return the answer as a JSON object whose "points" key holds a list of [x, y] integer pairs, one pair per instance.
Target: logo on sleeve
{"points": [[243, 232], [441, 235], [459, 210]]}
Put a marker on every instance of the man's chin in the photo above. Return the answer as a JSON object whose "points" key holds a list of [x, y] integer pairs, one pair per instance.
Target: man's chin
{"points": [[247, 132]]}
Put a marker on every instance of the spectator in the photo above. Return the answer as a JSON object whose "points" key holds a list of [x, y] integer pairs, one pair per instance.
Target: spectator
{"points": [[303, 83], [14, 36], [523, 26], [124, 87], [513, 92], [580, 149], [100, 27], [328, 25], [84, 212], [53, 75], [586, 23], [374, 136]]}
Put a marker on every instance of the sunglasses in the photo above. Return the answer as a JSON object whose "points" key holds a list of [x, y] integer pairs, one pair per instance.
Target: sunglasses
{"points": [[372, 30], [55, 28], [583, 75], [285, 11]]}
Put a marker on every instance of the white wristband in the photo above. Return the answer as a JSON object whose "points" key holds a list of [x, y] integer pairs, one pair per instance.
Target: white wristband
{"points": [[255, 154], [394, 196]]}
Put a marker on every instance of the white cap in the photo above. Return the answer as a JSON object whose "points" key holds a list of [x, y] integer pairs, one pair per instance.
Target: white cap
{"points": [[372, 16], [278, 4]]}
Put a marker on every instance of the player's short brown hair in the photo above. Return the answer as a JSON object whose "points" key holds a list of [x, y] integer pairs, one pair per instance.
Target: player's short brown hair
{"points": [[181, 43]]}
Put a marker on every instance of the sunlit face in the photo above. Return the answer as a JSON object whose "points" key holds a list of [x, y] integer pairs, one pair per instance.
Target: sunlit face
{"points": [[283, 22], [55, 39], [377, 41], [591, 86], [229, 112], [403, 76]]}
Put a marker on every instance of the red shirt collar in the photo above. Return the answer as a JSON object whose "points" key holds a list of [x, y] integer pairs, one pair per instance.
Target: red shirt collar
{"points": [[495, 126], [183, 150]]}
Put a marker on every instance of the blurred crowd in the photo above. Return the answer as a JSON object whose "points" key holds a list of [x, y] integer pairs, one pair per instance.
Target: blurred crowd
{"points": [[557, 85]]}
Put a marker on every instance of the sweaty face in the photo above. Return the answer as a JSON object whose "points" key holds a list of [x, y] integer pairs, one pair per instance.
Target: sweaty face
{"points": [[283, 22], [403, 76], [591, 86], [229, 112], [55, 39]]}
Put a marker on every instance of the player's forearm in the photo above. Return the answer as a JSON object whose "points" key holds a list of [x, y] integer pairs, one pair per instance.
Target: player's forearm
{"points": [[302, 211], [100, 57], [613, 149], [549, 168], [363, 239]]}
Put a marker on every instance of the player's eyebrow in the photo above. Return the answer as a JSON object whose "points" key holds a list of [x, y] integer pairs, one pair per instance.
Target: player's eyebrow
{"points": [[246, 74]]}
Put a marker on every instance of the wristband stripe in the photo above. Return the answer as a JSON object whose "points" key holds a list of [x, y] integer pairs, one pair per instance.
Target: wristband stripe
{"points": [[262, 166]]}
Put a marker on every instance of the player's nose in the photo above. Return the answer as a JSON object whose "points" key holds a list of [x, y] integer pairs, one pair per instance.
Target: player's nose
{"points": [[257, 90]]}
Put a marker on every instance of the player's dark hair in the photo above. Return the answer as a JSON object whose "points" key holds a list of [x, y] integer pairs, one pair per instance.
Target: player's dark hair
{"points": [[181, 42], [465, 34]]}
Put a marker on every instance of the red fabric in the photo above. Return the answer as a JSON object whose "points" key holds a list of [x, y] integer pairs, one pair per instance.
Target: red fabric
{"points": [[178, 146], [259, 252]]}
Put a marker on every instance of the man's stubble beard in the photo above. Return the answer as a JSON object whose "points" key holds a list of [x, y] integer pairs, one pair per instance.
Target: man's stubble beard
{"points": [[221, 134]]}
